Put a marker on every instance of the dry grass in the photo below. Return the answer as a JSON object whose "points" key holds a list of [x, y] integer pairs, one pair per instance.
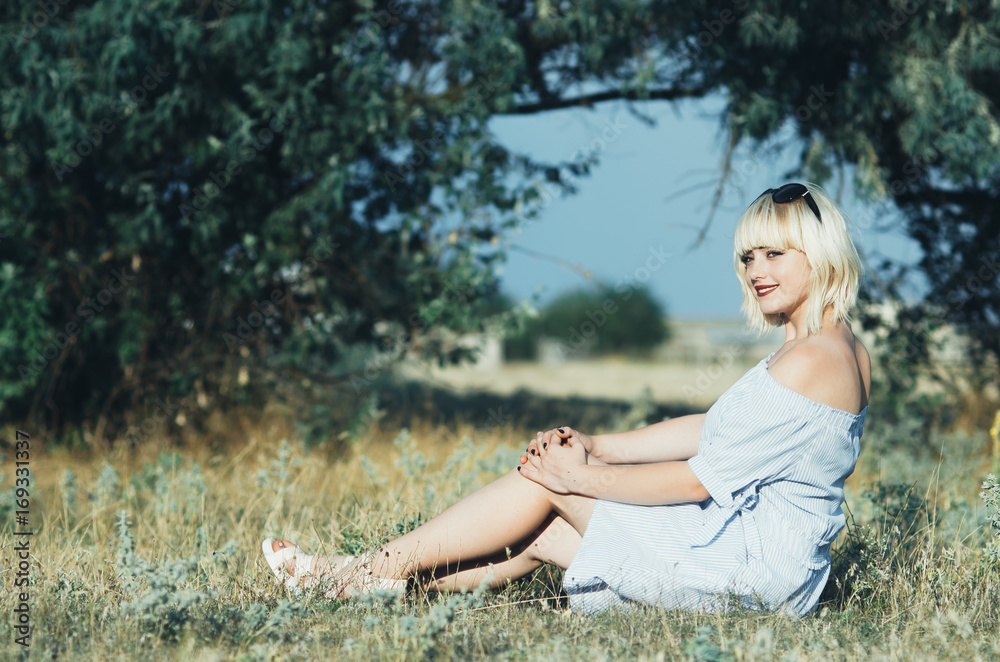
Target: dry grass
{"points": [[600, 378], [914, 579]]}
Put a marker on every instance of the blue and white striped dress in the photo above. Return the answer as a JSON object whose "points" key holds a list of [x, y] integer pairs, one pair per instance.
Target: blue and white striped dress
{"points": [[774, 463]]}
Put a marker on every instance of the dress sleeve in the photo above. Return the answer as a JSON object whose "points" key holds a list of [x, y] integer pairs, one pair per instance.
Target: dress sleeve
{"points": [[753, 439]]}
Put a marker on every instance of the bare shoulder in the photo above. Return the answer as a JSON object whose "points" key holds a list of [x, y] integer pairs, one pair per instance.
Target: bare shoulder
{"points": [[828, 371]]}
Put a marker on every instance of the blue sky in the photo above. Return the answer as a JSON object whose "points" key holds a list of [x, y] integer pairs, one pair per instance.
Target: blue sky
{"points": [[652, 191]]}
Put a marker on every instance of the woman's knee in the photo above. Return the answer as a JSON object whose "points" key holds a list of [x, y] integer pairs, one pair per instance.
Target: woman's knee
{"points": [[557, 543], [575, 509]]}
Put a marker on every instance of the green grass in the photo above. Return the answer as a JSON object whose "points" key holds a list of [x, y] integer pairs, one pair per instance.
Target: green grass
{"points": [[153, 553]]}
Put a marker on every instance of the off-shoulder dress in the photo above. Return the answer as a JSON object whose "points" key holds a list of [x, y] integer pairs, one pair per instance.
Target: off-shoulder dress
{"points": [[774, 463]]}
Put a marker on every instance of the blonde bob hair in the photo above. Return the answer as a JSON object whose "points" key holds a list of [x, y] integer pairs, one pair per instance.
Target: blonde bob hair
{"points": [[836, 270]]}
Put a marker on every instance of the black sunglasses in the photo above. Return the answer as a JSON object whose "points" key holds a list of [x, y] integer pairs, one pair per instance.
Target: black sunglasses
{"points": [[790, 193]]}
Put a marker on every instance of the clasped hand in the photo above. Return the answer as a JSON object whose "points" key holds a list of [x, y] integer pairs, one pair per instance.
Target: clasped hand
{"points": [[554, 460]]}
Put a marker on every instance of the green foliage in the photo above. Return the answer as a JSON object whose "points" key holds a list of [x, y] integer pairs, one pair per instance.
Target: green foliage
{"points": [[904, 96], [161, 600], [862, 566], [161, 483], [606, 320], [416, 637], [277, 478], [195, 191], [412, 462], [898, 507], [908, 414], [106, 489], [900, 543], [991, 499], [878, 548], [701, 647], [168, 598], [7, 505], [69, 490], [191, 189]]}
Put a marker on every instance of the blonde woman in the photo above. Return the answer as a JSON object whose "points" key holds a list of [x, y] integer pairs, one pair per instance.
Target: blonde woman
{"points": [[736, 506]]}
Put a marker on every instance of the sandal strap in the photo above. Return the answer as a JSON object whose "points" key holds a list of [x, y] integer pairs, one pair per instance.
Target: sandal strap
{"points": [[359, 581], [278, 562], [368, 582]]}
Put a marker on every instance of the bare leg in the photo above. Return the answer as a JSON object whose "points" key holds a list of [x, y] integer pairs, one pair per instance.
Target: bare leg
{"points": [[511, 512], [556, 542], [487, 522]]}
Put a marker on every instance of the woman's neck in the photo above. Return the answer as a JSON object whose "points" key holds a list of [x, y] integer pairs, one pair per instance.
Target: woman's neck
{"points": [[796, 327]]}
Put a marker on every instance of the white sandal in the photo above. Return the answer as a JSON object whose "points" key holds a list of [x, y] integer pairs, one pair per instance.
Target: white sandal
{"points": [[304, 577], [364, 581]]}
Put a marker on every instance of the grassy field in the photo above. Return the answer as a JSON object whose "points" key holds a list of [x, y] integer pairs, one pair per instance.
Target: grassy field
{"points": [[698, 386], [153, 553]]}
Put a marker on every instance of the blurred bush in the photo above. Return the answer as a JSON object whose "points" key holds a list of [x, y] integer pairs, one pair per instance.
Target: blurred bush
{"points": [[600, 321]]}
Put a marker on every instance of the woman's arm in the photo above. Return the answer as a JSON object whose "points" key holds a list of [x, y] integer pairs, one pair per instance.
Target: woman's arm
{"points": [[564, 470], [653, 484], [676, 439]]}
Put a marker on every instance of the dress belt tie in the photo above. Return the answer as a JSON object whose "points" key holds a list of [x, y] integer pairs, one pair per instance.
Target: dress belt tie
{"points": [[742, 509]]}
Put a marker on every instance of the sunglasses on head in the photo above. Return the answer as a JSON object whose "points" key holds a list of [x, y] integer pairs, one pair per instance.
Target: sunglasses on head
{"points": [[790, 193]]}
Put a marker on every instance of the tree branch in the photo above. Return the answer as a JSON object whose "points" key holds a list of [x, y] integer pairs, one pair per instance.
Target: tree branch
{"points": [[588, 100], [727, 168]]}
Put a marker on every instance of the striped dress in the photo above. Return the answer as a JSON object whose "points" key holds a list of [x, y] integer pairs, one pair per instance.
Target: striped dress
{"points": [[774, 463]]}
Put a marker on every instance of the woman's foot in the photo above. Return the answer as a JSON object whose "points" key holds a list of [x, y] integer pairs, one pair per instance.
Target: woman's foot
{"points": [[292, 567], [289, 567], [346, 576]]}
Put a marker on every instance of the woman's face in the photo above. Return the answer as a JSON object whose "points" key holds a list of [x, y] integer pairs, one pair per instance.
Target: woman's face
{"points": [[780, 277]]}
